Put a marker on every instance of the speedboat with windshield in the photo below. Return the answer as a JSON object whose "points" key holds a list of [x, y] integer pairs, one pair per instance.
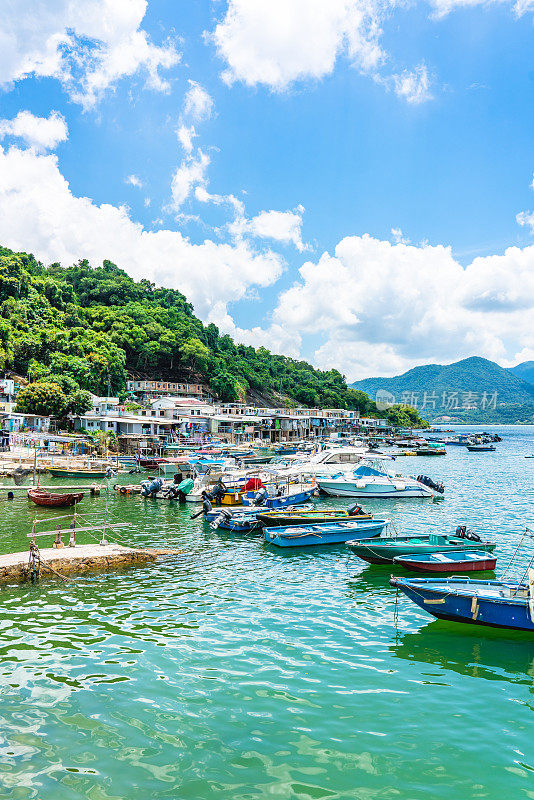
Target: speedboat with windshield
{"points": [[372, 479]]}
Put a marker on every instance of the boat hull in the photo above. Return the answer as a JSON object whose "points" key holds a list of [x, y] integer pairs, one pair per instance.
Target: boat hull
{"points": [[284, 500], [51, 500], [385, 551], [385, 492], [452, 561], [307, 518], [448, 599], [77, 473], [314, 535]]}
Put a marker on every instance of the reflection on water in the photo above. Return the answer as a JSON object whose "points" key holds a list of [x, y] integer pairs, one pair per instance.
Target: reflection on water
{"points": [[468, 650], [237, 671]]}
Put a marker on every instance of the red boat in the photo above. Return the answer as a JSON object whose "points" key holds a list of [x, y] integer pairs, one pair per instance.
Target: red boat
{"points": [[450, 561], [43, 498]]}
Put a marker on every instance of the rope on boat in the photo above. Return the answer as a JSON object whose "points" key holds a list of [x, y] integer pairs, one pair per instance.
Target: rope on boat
{"points": [[526, 531]]}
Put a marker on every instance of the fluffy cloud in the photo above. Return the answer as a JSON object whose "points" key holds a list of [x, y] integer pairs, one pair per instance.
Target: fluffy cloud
{"points": [[185, 136], [86, 44], [386, 307], [39, 213], [281, 226], [134, 180], [190, 174], [413, 85], [198, 105], [39, 133], [275, 42]]}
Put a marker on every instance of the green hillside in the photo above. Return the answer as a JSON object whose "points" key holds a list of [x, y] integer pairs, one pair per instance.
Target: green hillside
{"points": [[88, 327], [468, 390], [525, 371]]}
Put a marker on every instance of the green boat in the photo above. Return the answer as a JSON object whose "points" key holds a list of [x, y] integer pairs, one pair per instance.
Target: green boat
{"points": [[384, 551], [272, 519], [77, 473]]}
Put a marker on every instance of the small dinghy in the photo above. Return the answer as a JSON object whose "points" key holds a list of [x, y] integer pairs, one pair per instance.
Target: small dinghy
{"points": [[384, 551], [481, 448], [452, 561], [311, 516], [325, 533], [43, 498], [499, 604]]}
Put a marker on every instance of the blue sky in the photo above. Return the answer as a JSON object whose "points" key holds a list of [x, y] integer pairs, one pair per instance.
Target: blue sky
{"points": [[346, 182]]}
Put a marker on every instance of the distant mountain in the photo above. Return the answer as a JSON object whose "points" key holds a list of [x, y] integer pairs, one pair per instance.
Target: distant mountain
{"points": [[470, 387], [524, 371]]}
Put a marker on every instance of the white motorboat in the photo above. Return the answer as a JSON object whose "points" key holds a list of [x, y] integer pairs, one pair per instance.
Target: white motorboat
{"points": [[372, 480], [326, 463]]}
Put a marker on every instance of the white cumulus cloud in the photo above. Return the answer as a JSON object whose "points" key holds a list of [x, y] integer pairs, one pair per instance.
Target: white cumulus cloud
{"points": [[385, 307], [198, 104], [281, 226], [39, 133], [88, 45], [39, 214], [276, 42]]}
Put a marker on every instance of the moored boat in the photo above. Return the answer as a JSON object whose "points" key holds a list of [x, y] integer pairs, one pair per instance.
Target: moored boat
{"points": [[385, 550], [451, 561], [481, 448], [78, 473], [41, 497], [300, 516], [500, 604], [325, 533], [369, 480]]}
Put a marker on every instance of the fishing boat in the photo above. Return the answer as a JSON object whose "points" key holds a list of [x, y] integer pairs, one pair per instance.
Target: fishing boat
{"points": [[325, 533], [313, 516], [247, 511], [481, 448], [41, 497], [384, 551], [500, 604], [370, 480], [431, 451], [282, 496], [452, 561], [78, 473]]}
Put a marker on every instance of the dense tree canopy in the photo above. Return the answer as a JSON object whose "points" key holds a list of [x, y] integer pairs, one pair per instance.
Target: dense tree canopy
{"points": [[90, 326]]}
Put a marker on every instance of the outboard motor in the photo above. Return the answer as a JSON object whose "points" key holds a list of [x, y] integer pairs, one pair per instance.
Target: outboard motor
{"points": [[218, 492], [463, 532], [355, 510], [260, 497], [224, 516], [151, 488], [426, 481]]}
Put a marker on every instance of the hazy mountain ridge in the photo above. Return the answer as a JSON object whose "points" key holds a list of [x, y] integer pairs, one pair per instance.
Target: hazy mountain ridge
{"points": [[470, 389], [525, 370]]}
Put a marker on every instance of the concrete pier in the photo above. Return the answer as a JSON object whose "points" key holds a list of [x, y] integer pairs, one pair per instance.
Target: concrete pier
{"points": [[15, 568]]}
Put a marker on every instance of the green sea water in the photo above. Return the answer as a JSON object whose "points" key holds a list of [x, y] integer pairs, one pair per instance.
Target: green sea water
{"points": [[237, 671]]}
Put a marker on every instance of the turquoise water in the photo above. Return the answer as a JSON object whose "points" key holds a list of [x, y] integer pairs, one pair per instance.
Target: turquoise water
{"points": [[237, 671]]}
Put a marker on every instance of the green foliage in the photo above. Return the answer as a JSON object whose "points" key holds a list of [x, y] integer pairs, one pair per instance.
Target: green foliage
{"points": [[405, 417], [79, 401], [84, 327], [44, 399]]}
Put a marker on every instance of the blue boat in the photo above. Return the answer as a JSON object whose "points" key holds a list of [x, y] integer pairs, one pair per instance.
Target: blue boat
{"points": [[324, 533], [246, 511], [496, 603], [282, 500]]}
